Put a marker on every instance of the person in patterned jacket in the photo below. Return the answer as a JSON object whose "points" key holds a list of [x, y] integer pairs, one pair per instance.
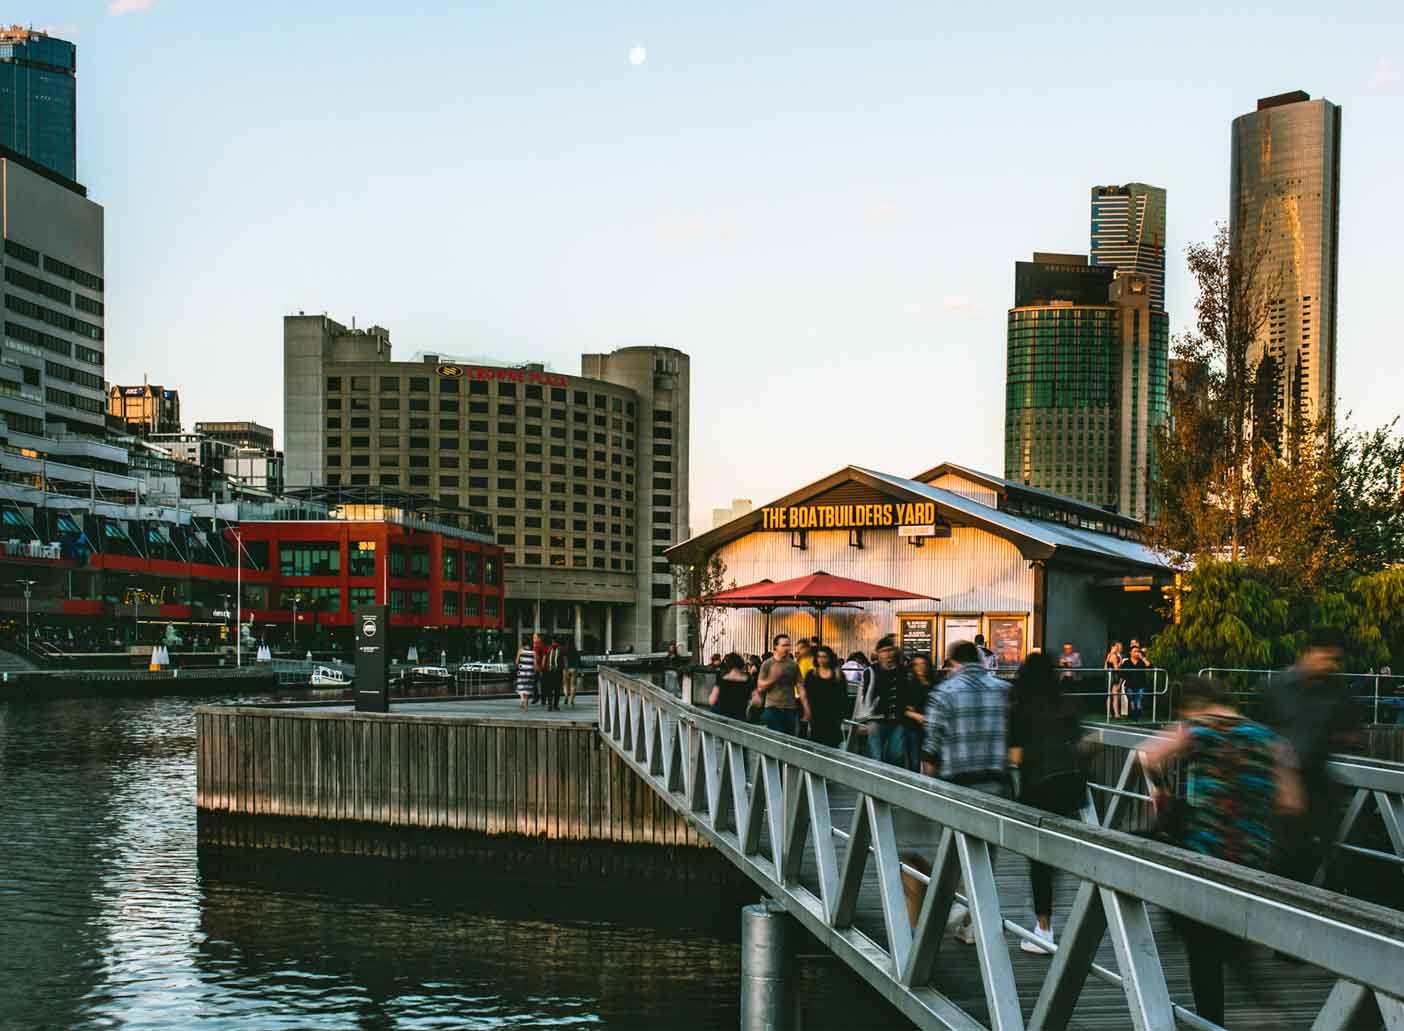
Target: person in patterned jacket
{"points": [[1241, 781]]}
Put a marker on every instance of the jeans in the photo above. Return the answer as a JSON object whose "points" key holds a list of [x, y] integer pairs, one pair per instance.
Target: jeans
{"points": [[1136, 694], [782, 721], [887, 742]]}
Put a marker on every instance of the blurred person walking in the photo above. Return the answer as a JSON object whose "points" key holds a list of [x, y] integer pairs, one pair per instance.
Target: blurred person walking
{"points": [[1311, 708], [526, 672], [966, 739], [827, 694], [882, 702], [1045, 743], [733, 690], [1241, 781]]}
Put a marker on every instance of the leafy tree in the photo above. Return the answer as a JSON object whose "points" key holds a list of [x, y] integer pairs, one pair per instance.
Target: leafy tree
{"points": [[1231, 617], [1380, 617], [1368, 504]]}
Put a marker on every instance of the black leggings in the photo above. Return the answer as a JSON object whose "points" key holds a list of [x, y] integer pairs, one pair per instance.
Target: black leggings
{"points": [[1042, 877], [1209, 949]]}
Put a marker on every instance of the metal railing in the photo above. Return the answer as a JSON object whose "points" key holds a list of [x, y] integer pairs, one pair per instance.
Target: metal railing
{"points": [[1381, 690], [1076, 683], [767, 803]]}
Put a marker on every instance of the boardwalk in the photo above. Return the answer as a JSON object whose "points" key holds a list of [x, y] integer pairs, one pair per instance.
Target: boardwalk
{"points": [[832, 837]]}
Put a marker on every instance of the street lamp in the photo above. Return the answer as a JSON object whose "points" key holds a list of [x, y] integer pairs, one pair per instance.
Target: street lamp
{"points": [[26, 584], [295, 599], [134, 592]]}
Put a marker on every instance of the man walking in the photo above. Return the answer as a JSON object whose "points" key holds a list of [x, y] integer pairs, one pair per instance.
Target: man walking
{"points": [[779, 687], [967, 733], [884, 696], [572, 671], [1311, 709], [552, 675]]}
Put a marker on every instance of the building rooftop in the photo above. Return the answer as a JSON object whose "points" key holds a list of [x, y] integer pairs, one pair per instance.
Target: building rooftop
{"points": [[1296, 96]]}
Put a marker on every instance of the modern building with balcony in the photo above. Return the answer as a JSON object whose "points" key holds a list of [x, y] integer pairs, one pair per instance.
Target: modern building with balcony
{"points": [[585, 477]]}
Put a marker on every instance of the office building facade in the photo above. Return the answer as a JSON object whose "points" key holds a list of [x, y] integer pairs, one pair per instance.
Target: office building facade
{"points": [[586, 477], [145, 408], [39, 98], [1128, 233], [1086, 388], [51, 382], [241, 434], [1285, 219]]}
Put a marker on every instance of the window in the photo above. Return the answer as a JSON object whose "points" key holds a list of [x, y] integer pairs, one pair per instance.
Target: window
{"points": [[360, 558], [362, 598], [419, 562], [397, 600], [309, 558], [334, 383], [470, 601], [389, 384], [490, 607], [419, 384], [506, 390], [397, 560], [450, 603], [472, 568], [451, 565], [419, 603], [492, 573]]}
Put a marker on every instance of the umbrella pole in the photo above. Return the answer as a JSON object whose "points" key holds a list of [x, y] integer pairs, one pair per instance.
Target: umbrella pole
{"points": [[819, 624], [765, 644]]}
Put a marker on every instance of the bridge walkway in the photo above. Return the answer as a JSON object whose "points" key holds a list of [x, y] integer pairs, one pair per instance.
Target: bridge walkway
{"points": [[833, 837]]}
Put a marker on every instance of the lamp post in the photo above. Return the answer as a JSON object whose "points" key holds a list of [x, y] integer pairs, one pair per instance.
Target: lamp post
{"points": [[26, 584], [295, 599], [134, 592]]}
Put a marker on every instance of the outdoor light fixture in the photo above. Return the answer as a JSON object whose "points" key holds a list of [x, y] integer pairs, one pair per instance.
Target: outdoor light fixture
{"points": [[855, 538], [799, 539]]}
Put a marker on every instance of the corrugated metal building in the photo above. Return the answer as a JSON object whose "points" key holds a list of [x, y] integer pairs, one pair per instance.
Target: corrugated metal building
{"points": [[1025, 567]]}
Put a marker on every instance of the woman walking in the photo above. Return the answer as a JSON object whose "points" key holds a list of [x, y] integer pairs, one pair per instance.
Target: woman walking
{"points": [[526, 672], [731, 694], [827, 691], [1045, 736], [920, 685], [1116, 684]]}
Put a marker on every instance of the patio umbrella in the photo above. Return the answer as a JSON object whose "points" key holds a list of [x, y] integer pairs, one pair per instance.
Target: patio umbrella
{"points": [[821, 591], [753, 596]]}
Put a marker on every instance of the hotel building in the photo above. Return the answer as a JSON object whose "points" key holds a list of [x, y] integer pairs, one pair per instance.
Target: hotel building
{"points": [[585, 477]]}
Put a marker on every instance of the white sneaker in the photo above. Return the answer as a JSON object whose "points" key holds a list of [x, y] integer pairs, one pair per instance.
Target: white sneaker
{"points": [[958, 916], [1042, 935], [965, 934]]}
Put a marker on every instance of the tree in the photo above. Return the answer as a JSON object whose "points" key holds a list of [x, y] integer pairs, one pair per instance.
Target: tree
{"points": [[1230, 618], [697, 583], [1207, 451], [1367, 513]]}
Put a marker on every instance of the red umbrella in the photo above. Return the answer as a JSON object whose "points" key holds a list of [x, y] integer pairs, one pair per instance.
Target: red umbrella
{"points": [[821, 591], [756, 596]]}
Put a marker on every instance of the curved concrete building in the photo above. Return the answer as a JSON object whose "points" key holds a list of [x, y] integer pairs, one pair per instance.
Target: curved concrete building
{"points": [[585, 477]]}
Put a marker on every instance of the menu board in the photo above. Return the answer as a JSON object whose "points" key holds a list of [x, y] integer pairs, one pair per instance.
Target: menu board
{"points": [[918, 634], [1007, 640]]}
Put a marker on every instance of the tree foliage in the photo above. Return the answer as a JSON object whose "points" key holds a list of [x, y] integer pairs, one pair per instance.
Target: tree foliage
{"points": [[1230, 618]]}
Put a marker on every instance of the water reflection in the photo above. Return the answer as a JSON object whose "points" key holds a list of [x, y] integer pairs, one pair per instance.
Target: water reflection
{"points": [[110, 916]]}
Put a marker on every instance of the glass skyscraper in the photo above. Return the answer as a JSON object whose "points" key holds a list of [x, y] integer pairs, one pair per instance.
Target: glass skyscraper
{"points": [[38, 99], [1087, 373], [1128, 233], [1284, 215]]}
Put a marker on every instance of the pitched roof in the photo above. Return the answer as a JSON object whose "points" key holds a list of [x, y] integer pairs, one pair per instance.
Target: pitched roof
{"points": [[1035, 538], [1001, 485]]}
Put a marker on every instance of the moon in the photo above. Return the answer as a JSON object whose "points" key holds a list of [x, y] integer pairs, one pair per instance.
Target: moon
{"points": [[637, 56]]}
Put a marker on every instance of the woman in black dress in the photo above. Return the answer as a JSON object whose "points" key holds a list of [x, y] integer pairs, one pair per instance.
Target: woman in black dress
{"points": [[732, 691], [827, 691]]}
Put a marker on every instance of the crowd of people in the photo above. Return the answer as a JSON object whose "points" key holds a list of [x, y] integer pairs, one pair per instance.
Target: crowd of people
{"points": [[1256, 790]]}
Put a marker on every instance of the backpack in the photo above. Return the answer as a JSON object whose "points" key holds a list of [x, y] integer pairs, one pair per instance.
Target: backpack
{"points": [[1059, 783], [553, 659], [865, 708]]}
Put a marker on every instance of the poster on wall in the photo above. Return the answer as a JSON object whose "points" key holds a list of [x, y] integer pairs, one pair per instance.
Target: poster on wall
{"points": [[1007, 639], [917, 634], [957, 629]]}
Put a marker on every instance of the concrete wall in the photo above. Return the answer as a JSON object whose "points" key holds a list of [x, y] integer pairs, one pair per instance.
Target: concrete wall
{"points": [[305, 343], [1076, 615]]}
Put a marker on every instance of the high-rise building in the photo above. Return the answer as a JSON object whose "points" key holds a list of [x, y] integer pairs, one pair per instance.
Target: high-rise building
{"points": [[1086, 383], [1284, 219], [586, 477], [38, 99], [1128, 233], [242, 434], [51, 381]]}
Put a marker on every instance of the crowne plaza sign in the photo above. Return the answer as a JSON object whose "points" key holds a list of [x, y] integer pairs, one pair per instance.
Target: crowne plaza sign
{"points": [[848, 516]]}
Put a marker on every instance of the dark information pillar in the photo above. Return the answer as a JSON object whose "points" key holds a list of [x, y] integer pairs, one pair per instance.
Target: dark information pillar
{"points": [[373, 659]]}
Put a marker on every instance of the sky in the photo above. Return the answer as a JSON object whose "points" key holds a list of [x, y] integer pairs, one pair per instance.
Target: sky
{"points": [[821, 203]]}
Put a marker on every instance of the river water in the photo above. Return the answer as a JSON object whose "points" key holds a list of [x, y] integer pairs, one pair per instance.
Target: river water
{"points": [[112, 916]]}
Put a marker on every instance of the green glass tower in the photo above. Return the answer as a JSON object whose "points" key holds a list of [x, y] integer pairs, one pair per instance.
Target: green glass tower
{"points": [[38, 99], [1086, 384]]}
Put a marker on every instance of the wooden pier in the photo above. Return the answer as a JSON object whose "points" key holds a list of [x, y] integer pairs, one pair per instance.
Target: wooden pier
{"points": [[438, 779]]}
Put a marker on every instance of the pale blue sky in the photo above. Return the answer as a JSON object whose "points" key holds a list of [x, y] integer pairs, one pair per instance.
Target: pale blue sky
{"points": [[821, 203]]}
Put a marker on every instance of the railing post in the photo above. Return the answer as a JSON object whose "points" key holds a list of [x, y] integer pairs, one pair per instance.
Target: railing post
{"points": [[768, 979]]}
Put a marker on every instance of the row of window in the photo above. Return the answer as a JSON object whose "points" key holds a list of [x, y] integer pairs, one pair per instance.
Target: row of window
{"points": [[559, 561], [531, 391], [34, 284], [503, 410], [54, 318], [71, 375], [70, 400], [413, 602], [323, 558]]}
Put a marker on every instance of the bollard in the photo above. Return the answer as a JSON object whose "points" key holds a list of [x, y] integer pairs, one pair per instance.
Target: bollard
{"points": [[768, 977]]}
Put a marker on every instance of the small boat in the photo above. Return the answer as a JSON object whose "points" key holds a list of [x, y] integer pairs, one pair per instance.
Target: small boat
{"points": [[328, 676], [491, 669], [430, 673]]}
